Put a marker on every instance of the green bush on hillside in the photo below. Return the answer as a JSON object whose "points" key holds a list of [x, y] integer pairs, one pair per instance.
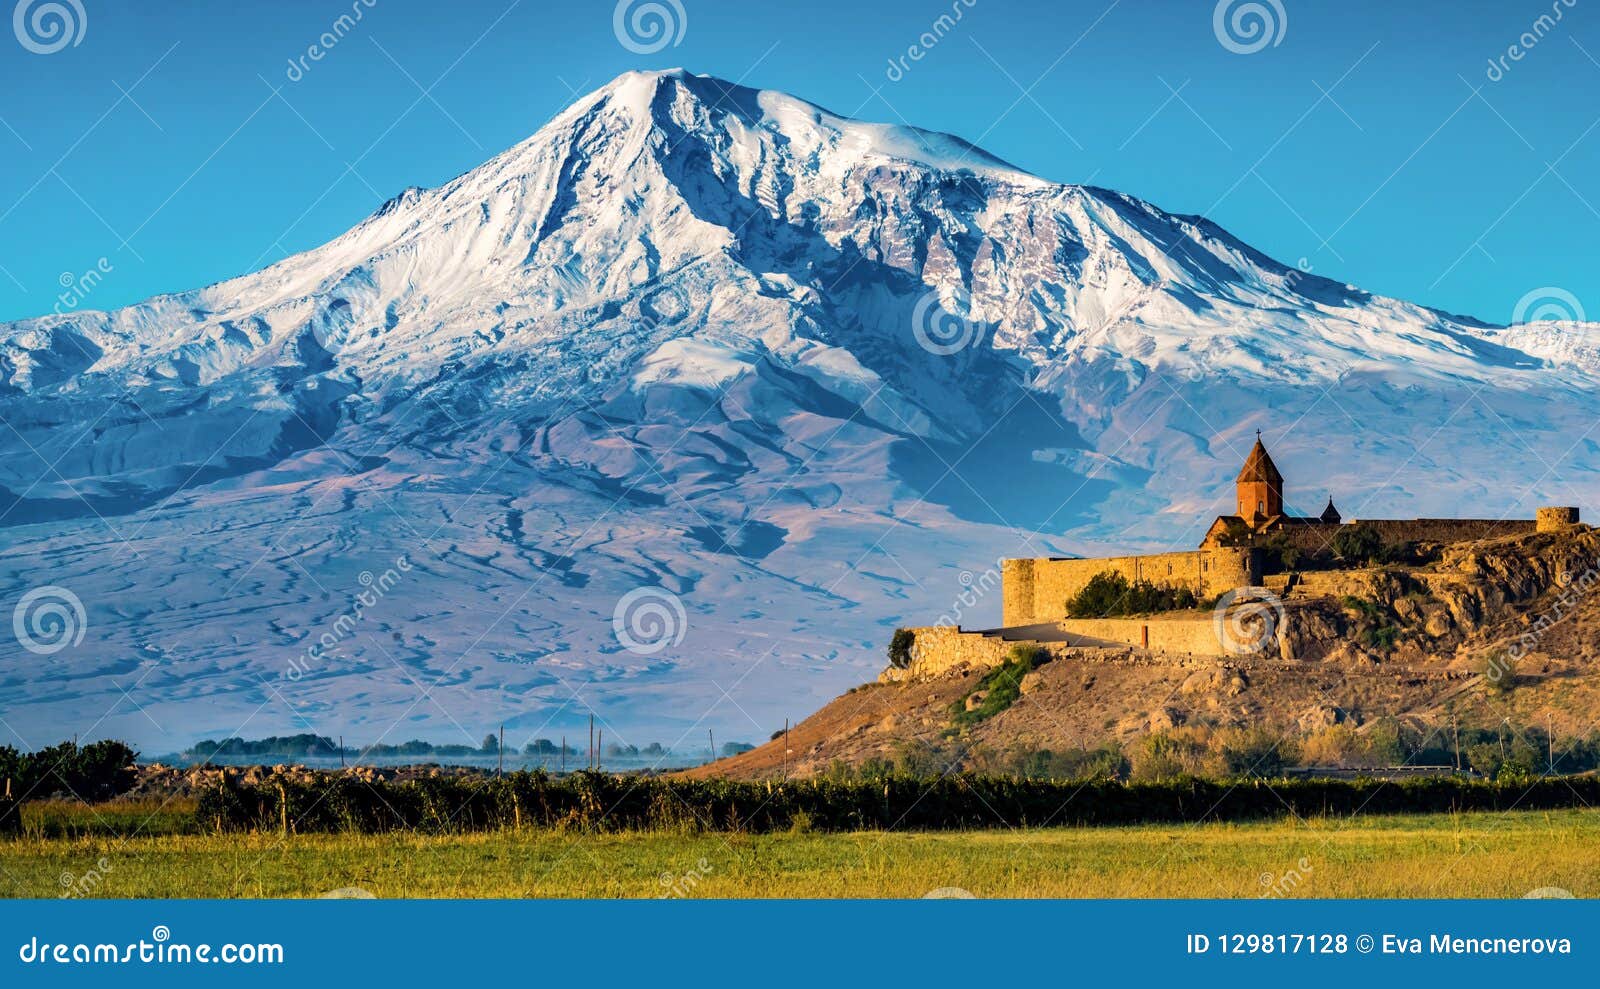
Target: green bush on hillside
{"points": [[1003, 685], [1109, 594]]}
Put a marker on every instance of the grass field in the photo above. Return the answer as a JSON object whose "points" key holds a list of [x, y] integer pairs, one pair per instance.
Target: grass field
{"points": [[1469, 855]]}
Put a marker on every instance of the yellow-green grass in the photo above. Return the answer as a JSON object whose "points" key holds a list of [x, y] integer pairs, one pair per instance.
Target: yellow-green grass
{"points": [[1470, 855], [113, 819]]}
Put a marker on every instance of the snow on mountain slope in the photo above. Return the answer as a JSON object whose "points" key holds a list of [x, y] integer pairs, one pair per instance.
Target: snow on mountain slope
{"points": [[799, 371]]}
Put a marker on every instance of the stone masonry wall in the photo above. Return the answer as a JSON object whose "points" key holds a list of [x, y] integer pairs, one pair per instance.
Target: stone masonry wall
{"points": [[1318, 537], [939, 649], [1186, 634], [1037, 590], [1554, 519]]}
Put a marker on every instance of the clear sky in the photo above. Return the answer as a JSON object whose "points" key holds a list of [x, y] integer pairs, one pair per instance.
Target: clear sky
{"points": [[174, 144]]}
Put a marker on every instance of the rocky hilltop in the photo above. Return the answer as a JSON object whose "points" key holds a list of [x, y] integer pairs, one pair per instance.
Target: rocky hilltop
{"points": [[1497, 636]]}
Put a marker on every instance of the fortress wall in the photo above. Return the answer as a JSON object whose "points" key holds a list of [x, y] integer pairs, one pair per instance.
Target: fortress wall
{"points": [[1226, 569], [1037, 591], [1317, 537], [1554, 519], [1189, 634], [1016, 591], [1449, 530], [939, 649]]}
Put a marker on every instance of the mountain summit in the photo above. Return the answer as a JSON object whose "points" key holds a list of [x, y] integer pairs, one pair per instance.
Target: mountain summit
{"points": [[782, 376]]}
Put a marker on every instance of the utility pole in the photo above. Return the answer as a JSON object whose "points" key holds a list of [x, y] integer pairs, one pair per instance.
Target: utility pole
{"points": [[563, 754], [341, 752], [712, 741], [1455, 731], [597, 748], [786, 750], [500, 750]]}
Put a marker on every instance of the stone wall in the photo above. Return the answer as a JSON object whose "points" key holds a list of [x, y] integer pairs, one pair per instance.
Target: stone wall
{"points": [[1317, 537], [1037, 590], [1556, 519], [1187, 634], [939, 649]]}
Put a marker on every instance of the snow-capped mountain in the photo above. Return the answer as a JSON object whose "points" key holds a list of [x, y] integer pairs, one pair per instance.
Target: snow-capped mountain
{"points": [[701, 347]]}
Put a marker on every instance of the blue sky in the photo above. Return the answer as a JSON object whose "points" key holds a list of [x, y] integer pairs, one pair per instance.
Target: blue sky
{"points": [[173, 145]]}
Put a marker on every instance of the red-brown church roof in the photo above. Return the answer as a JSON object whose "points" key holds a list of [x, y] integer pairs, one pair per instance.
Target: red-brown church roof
{"points": [[1259, 466]]}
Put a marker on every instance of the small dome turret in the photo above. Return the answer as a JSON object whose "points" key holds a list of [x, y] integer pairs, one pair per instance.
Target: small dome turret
{"points": [[1330, 514]]}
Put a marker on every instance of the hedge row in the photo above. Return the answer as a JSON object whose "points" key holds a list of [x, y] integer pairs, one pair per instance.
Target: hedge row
{"points": [[596, 801], [97, 771]]}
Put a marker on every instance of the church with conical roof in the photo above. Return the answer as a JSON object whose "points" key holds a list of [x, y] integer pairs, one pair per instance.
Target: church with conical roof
{"points": [[1259, 540], [1260, 512]]}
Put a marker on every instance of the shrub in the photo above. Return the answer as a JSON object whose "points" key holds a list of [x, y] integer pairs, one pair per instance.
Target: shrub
{"points": [[1499, 672], [1170, 755], [1377, 634], [1108, 594], [1359, 543], [90, 772], [1485, 758], [1104, 762], [900, 648], [1381, 638], [884, 801], [1252, 752], [1283, 552], [1003, 684]]}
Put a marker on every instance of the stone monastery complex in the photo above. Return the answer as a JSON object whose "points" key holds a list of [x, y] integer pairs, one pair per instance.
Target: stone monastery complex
{"points": [[1233, 555], [1244, 550]]}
